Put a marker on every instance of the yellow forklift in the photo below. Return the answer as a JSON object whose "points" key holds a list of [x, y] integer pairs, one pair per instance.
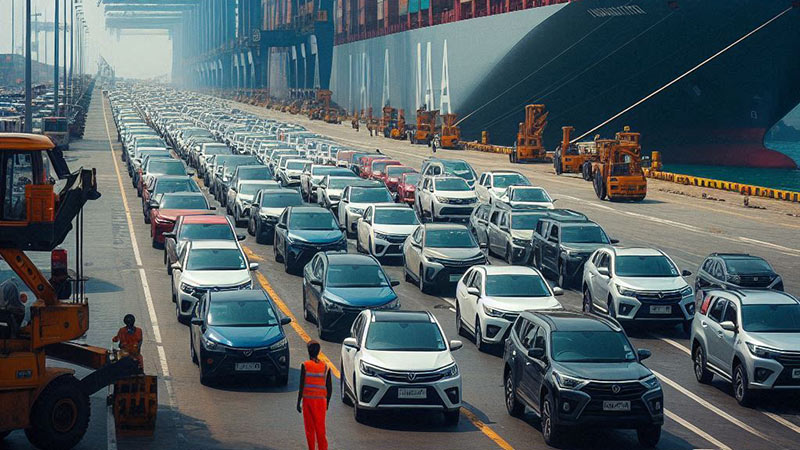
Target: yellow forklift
{"points": [[528, 146], [49, 402]]}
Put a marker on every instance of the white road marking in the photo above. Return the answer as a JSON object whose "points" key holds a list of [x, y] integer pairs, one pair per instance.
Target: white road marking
{"points": [[712, 408], [689, 426], [111, 427], [794, 252], [677, 345]]}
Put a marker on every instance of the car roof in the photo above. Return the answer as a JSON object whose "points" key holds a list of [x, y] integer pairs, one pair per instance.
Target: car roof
{"points": [[206, 218], [351, 258], [637, 251], [503, 171], [575, 321], [305, 208], [239, 295], [444, 226], [759, 296], [501, 270], [182, 194], [214, 244], [401, 316], [567, 215], [173, 177], [395, 206]]}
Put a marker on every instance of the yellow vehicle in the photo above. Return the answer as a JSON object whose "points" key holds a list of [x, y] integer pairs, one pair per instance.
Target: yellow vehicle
{"points": [[450, 134], [426, 126], [57, 129], [617, 171], [529, 147], [45, 400], [574, 158]]}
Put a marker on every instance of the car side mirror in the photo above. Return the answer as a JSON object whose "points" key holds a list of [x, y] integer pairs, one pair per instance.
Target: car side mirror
{"points": [[254, 266], [197, 321], [153, 204], [176, 266], [394, 283], [280, 225], [483, 245], [643, 353], [169, 234], [350, 342], [558, 291], [728, 326], [315, 281], [614, 241], [603, 271], [286, 320], [554, 200], [455, 345], [473, 291], [342, 227], [212, 208], [686, 273], [536, 353], [240, 237]]}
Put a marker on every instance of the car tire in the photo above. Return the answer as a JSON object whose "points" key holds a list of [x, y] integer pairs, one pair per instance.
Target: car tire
{"points": [[550, 432], [178, 315], [323, 335], [563, 278], [205, 380], [251, 227], [649, 436], [278, 256], [537, 261], [513, 405], [451, 417], [479, 337], [46, 429], [588, 306], [306, 316], [741, 391], [460, 322], [288, 268], [192, 353], [423, 286], [359, 414], [701, 371], [345, 398], [174, 294]]}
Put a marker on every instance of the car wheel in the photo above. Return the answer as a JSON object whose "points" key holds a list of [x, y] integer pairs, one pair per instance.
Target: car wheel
{"points": [[741, 390], [359, 414], [278, 256], [178, 315], [251, 227], [479, 336], [513, 405], [320, 326], [537, 261], [345, 398], [550, 432], [306, 316], [286, 266], [649, 436], [205, 380], [423, 286], [563, 278], [701, 371], [192, 353], [174, 294], [588, 307], [451, 417], [406, 273], [459, 322], [509, 255]]}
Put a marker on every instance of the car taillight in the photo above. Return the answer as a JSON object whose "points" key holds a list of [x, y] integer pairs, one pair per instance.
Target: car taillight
{"points": [[704, 307]]}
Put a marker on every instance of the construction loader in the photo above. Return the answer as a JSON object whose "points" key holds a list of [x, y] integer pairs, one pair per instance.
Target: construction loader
{"points": [[426, 126], [450, 134], [528, 146], [616, 172], [574, 157]]}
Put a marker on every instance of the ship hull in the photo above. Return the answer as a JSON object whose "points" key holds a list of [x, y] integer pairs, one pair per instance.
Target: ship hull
{"points": [[587, 61]]}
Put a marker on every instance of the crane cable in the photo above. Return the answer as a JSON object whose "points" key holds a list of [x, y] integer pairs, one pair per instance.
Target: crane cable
{"points": [[684, 75]]}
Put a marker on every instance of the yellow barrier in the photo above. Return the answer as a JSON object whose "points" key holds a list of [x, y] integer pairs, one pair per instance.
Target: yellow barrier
{"points": [[744, 189], [488, 148]]}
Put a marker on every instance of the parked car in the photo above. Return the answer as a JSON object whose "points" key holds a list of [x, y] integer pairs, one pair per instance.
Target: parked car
{"points": [[445, 198], [453, 167], [400, 360], [256, 172], [338, 286], [437, 255], [516, 196], [289, 172], [154, 167], [509, 232], [378, 167], [735, 271], [748, 337], [489, 299], [637, 284], [355, 200], [329, 191], [267, 208], [383, 229], [491, 185], [392, 174], [201, 227], [223, 176], [302, 231], [478, 223], [204, 266], [165, 184], [239, 333], [580, 370], [170, 207], [245, 192], [407, 187], [364, 164], [313, 175]]}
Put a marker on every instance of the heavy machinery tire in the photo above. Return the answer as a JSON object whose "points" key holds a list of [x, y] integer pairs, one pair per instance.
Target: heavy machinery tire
{"points": [[599, 185], [557, 165], [586, 171], [60, 416]]}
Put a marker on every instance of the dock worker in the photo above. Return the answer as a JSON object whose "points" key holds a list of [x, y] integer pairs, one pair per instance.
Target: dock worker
{"points": [[314, 396], [130, 339]]}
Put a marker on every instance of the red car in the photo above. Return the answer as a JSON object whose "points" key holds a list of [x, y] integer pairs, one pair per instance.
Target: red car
{"points": [[170, 207], [365, 164], [199, 227], [391, 176], [406, 187], [378, 167]]}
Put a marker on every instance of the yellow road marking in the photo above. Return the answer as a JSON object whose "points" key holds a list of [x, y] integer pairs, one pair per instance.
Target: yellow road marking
{"points": [[251, 255], [486, 430]]}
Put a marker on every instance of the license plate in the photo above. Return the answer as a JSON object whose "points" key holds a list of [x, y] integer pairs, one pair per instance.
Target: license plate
{"points": [[795, 373], [660, 309], [248, 367], [411, 393], [455, 278], [617, 405]]}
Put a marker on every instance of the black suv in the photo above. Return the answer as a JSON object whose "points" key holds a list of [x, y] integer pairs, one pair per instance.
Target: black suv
{"points": [[735, 271], [562, 242], [580, 370]]}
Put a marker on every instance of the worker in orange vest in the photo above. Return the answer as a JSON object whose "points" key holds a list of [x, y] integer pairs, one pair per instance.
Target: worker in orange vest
{"points": [[130, 339], [315, 394]]}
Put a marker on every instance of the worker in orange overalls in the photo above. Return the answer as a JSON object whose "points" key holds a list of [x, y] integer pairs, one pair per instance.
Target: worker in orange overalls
{"points": [[315, 394], [130, 339]]}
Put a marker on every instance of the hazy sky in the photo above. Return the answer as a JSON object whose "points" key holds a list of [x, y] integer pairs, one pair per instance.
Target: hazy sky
{"points": [[132, 55]]}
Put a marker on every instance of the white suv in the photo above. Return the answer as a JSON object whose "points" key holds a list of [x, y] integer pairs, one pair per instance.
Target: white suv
{"points": [[400, 360], [637, 284], [445, 198], [492, 185]]}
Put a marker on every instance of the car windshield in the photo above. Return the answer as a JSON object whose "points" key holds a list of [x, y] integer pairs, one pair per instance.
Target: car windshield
{"points": [[459, 169], [215, 259], [166, 168], [644, 266], [255, 173], [295, 165], [145, 142], [530, 195], [452, 184], [747, 266], [251, 188], [583, 234], [356, 275], [405, 336], [216, 150], [412, 178], [281, 199], [591, 347], [449, 238], [780, 318], [506, 180], [200, 231], [525, 221], [330, 170], [183, 202], [246, 313], [374, 195], [516, 285], [380, 166], [397, 171], [312, 220], [168, 186], [395, 216]]}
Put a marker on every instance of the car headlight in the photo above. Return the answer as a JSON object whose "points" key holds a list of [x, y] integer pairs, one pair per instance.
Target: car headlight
{"points": [[449, 371], [568, 382], [187, 288], [358, 211], [735, 279], [625, 291], [333, 197], [761, 351], [651, 383], [330, 305], [520, 242], [687, 292], [367, 369], [492, 312], [245, 285], [381, 236], [442, 199], [437, 260], [394, 304], [280, 345], [209, 344]]}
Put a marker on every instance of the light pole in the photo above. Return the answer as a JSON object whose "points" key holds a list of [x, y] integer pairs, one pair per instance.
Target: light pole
{"points": [[64, 96], [13, 31], [55, 63], [28, 118]]}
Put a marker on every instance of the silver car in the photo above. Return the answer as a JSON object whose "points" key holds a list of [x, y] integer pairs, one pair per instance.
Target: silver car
{"points": [[383, 229], [750, 338]]}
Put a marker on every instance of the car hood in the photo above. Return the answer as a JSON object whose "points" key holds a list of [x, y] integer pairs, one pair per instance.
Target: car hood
{"points": [[522, 234], [172, 214], [365, 205], [247, 337], [548, 205], [455, 194], [403, 230], [605, 371], [778, 341], [583, 248], [361, 296], [246, 198], [653, 284], [272, 211], [408, 361], [219, 278], [452, 253], [334, 192], [518, 304], [315, 236]]}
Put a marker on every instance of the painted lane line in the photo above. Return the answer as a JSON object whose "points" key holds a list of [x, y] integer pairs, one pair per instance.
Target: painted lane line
{"points": [[689, 426], [712, 408], [794, 252], [676, 344], [485, 429]]}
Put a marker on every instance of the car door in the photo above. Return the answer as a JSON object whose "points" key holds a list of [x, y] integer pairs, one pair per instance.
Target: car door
{"points": [[477, 282], [413, 251], [504, 237], [343, 206], [363, 229], [197, 330], [550, 248], [524, 382], [493, 230], [176, 272], [481, 187], [725, 349], [535, 371], [319, 272], [600, 284], [255, 206], [702, 280], [461, 290], [280, 231], [713, 332], [170, 243], [349, 353]]}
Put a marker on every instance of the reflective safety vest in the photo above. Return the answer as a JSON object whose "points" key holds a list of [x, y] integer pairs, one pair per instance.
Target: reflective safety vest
{"points": [[316, 376]]}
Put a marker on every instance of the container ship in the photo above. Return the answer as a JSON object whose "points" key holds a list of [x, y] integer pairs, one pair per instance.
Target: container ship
{"points": [[725, 71]]}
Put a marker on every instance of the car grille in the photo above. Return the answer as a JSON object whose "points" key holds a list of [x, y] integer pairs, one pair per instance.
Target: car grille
{"points": [[200, 292], [462, 263], [406, 377], [431, 398], [451, 211], [630, 390], [755, 281], [395, 239], [460, 201], [647, 299], [659, 298], [790, 361], [595, 409]]}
